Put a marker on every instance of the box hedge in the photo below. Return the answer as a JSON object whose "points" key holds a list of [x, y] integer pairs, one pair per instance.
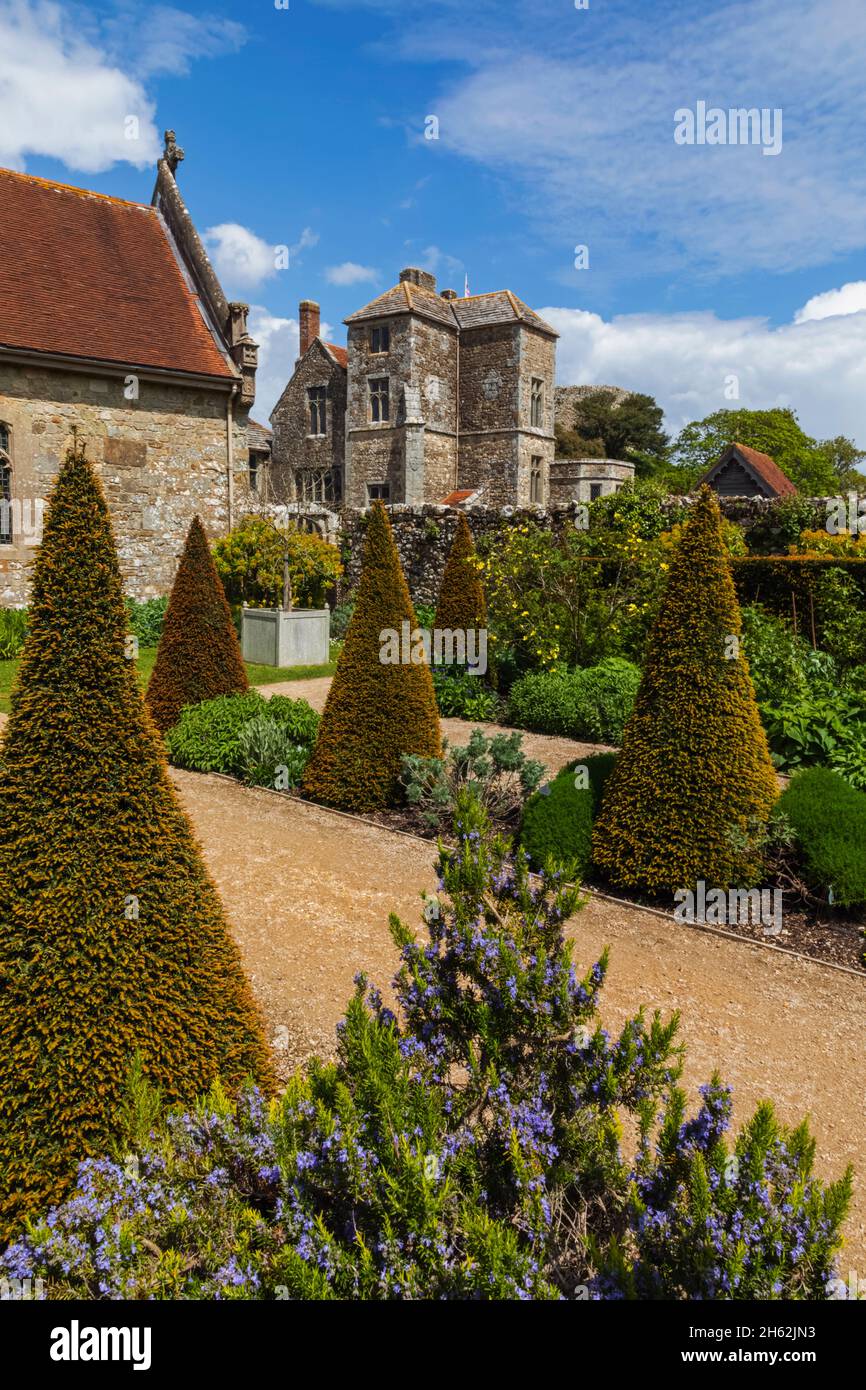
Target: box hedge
{"points": [[694, 785], [828, 817], [113, 941]]}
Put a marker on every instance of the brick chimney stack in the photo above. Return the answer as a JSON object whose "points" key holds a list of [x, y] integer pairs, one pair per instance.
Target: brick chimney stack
{"points": [[309, 316]]}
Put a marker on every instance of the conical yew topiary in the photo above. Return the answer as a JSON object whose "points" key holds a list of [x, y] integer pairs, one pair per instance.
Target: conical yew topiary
{"points": [[112, 937], [199, 656], [693, 784], [375, 711], [461, 603]]}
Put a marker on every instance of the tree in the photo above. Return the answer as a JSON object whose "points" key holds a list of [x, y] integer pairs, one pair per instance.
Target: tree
{"points": [[775, 432], [376, 711], [847, 462], [694, 784], [113, 941], [461, 603], [621, 429], [249, 561], [199, 656]]}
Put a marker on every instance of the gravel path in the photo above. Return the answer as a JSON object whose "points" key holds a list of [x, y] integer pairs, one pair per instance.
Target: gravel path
{"points": [[552, 751], [308, 893]]}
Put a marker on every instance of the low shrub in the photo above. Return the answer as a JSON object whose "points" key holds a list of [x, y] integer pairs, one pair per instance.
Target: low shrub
{"points": [[557, 821], [268, 755], [146, 618], [13, 630], [592, 704], [210, 737], [461, 696], [827, 729], [828, 818], [496, 772], [468, 1148]]}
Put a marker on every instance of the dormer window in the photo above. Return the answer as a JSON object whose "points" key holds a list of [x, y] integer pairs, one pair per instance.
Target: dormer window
{"points": [[380, 339]]}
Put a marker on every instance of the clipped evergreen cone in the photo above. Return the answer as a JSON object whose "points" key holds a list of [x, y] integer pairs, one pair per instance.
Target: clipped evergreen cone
{"points": [[461, 605], [112, 937], [199, 656], [693, 785], [375, 712]]}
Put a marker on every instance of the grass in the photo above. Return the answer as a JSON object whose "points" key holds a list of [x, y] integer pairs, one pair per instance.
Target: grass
{"points": [[258, 675]]}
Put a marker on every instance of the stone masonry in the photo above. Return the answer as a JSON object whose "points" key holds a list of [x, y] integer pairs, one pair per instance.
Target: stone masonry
{"points": [[161, 459]]}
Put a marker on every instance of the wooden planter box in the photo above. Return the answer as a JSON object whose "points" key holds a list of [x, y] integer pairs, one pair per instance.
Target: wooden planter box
{"points": [[274, 637]]}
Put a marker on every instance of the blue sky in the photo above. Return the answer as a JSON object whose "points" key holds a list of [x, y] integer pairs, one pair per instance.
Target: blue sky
{"points": [[305, 127]]}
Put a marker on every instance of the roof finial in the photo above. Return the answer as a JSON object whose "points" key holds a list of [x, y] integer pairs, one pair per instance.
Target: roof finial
{"points": [[172, 154]]}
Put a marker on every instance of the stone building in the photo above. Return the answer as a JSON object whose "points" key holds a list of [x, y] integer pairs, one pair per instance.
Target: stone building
{"points": [[582, 480], [433, 393], [113, 321]]}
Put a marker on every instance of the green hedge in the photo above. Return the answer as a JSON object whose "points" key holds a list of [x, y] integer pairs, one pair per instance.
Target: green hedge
{"points": [[591, 704], [829, 820], [557, 820]]}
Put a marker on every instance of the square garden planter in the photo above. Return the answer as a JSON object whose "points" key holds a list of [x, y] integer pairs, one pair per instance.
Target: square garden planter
{"points": [[280, 637]]}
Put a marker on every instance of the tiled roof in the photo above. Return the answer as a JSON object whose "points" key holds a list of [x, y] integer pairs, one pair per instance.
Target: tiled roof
{"points": [[455, 498], [471, 311], [765, 467], [85, 275], [500, 306], [406, 298], [339, 354], [258, 436]]}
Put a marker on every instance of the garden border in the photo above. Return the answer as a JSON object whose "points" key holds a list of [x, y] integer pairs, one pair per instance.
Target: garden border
{"points": [[594, 892]]}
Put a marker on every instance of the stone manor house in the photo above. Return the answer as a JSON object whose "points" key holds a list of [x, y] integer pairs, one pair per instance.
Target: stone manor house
{"points": [[435, 397], [113, 321]]}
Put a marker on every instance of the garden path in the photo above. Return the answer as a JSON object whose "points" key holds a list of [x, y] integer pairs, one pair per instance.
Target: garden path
{"points": [[553, 751], [308, 893]]}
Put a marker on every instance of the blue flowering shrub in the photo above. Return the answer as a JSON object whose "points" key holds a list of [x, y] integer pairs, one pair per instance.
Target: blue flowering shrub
{"points": [[470, 1146]]}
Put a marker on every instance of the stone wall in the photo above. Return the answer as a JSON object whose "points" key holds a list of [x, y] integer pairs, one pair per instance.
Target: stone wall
{"points": [[161, 459], [421, 368], [293, 446], [423, 535]]}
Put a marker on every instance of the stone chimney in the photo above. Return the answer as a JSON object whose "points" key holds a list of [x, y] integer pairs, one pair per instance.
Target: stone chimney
{"points": [[309, 316], [422, 278], [448, 294]]}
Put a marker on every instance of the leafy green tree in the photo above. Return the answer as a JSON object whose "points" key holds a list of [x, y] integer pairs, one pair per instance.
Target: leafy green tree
{"points": [[775, 432], [622, 429], [249, 561], [847, 461], [112, 936]]}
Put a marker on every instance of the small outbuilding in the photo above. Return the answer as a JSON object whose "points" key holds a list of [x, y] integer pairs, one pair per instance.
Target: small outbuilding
{"points": [[745, 472]]}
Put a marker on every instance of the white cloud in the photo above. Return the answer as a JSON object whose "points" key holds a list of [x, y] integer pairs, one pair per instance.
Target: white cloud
{"points": [[307, 238], [350, 273], [850, 299], [817, 366], [62, 97], [168, 40], [242, 260]]}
